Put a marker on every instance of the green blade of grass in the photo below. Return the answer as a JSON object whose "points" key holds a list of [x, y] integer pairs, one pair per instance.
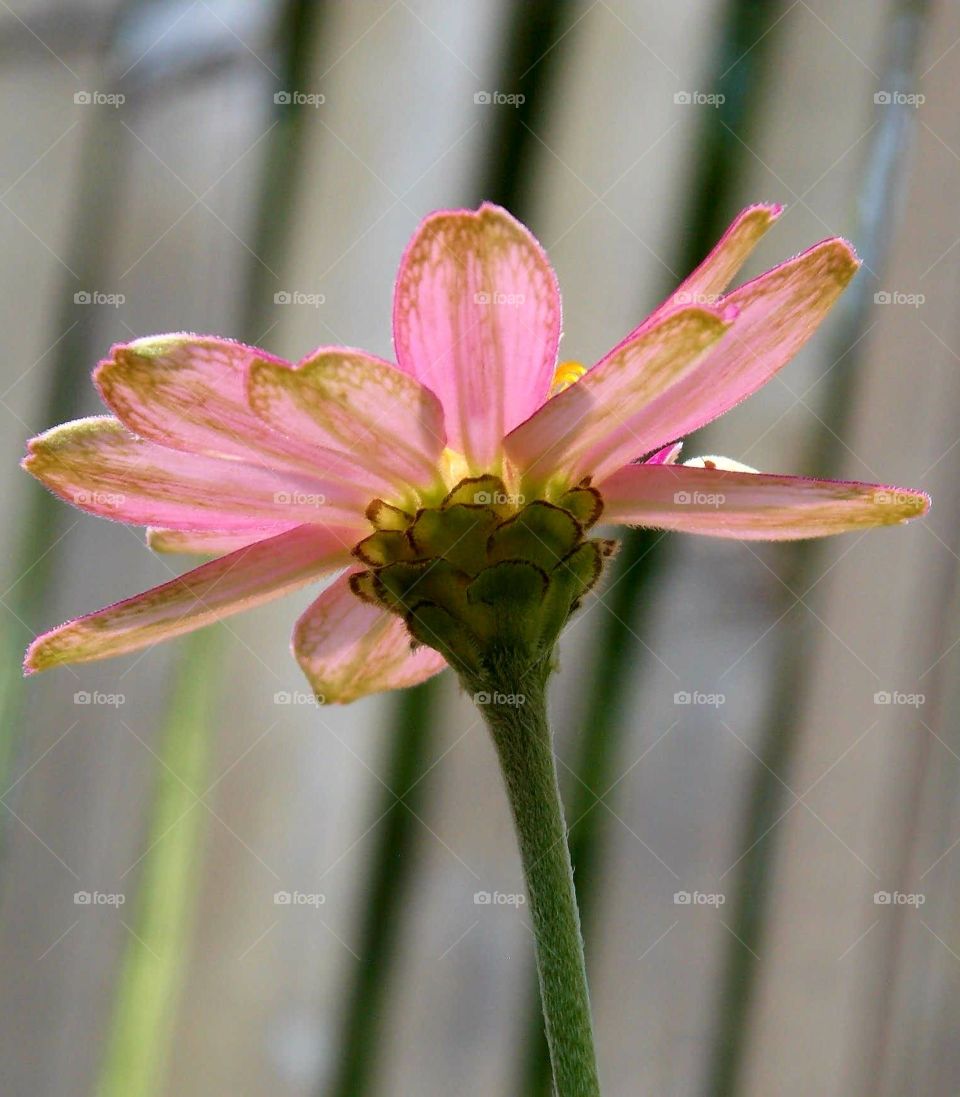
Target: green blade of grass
{"points": [[156, 957]]}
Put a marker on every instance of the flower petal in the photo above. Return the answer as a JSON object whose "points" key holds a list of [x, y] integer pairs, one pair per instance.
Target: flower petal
{"points": [[348, 648], [751, 506], [596, 425], [189, 392], [99, 466], [212, 542], [356, 404], [666, 456], [773, 316], [705, 285], [476, 319], [207, 594]]}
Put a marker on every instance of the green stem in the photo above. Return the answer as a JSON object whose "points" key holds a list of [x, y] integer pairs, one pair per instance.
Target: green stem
{"points": [[522, 737]]}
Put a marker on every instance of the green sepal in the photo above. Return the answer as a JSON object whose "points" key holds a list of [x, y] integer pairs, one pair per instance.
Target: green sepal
{"points": [[514, 591], [364, 586], [430, 624], [584, 503], [569, 582], [481, 491], [403, 584], [541, 533], [385, 516], [385, 547], [458, 533]]}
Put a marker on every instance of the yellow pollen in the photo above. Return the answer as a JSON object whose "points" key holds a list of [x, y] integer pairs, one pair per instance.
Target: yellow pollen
{"points": [[567, 373]]}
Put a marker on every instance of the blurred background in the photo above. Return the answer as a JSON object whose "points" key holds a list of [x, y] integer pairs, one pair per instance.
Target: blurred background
{"points": [[767, 732]]}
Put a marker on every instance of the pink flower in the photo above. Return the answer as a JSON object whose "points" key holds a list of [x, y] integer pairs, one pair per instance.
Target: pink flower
{"points": [[281, 471]]}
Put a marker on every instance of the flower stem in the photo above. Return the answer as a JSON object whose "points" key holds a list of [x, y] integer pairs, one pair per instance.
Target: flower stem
{"points": [[522, 737]]}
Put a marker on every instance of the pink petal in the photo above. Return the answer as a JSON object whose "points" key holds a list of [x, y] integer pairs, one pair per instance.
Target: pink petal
{"points": [[476, 318], [596, 425], [717, 271], [188, 392], [751, 506], [359, 405], [99, 466], [348, 648], [773, 316], [213, 542], [666, 456], [243, 579]]}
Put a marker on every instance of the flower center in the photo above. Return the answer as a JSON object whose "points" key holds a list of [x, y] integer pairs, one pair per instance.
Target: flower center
{"points": [[484, 572], [565, 375]]}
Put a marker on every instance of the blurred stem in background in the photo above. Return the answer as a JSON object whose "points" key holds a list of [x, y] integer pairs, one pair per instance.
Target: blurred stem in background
{"points": [[145, 1002], [738, 69], [144, 1010], [884, 172], [529, 67]]}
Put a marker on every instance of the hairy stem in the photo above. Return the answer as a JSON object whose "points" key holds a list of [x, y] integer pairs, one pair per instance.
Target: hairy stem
{"points": [[522, 737]]}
